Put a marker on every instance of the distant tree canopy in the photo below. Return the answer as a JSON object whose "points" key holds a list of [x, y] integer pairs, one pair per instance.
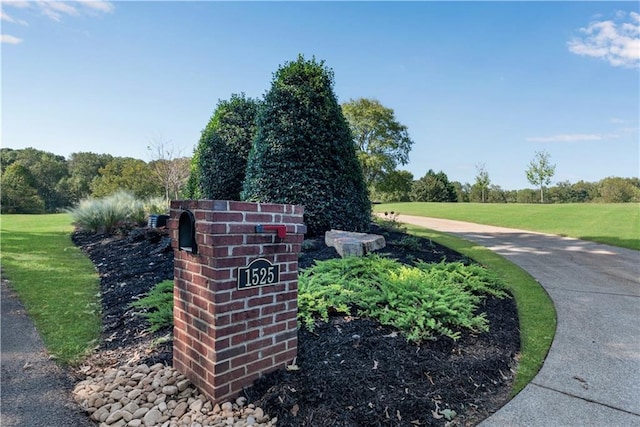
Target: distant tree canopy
{"points": [[220, 159], [36, 181], [303, 152], [128, 174], [394, 187], [83, 168], [382, 142], [619, 190], [43, 171], [19, 191], [433, 187]]}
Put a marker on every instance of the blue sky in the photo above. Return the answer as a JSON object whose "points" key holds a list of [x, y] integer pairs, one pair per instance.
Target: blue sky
{"points": [[474, 82]]}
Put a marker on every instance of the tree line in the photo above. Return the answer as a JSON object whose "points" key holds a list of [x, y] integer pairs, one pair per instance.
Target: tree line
{"points": [[295, 145], [36, 181]]}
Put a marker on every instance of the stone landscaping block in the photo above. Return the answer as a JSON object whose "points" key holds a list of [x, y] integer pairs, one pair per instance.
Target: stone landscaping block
{"points": [[349, 243]]}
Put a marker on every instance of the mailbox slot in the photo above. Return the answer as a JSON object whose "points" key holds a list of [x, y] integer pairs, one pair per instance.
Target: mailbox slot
{"points": [[187, 232]]}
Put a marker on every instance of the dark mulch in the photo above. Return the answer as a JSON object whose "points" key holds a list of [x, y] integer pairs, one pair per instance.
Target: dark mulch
{"points": [[352, 372]]}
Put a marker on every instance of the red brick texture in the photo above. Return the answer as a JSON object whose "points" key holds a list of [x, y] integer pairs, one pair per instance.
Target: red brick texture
{"points": [[224, 337]]}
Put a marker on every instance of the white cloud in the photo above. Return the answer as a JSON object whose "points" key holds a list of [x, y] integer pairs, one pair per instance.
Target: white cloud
{"points": [[614, 41], [5, 38], [56, 10], [22, 4], [98, 5], [53, 9], [573, 137], [5, 17]]}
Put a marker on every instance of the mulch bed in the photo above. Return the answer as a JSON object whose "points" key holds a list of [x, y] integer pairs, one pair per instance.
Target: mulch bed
{"points": [[353, 371]]}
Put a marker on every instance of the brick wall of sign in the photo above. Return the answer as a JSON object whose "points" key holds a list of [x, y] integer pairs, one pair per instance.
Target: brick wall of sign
{"points": [[225, 337]]}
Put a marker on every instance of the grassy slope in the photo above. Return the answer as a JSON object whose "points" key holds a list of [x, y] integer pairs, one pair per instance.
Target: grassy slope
{"points": [[613, 224], [57, 284], [536, 312]]}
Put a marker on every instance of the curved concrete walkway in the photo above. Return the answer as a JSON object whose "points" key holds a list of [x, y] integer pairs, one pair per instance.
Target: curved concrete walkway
{"points": [[591, 376]]}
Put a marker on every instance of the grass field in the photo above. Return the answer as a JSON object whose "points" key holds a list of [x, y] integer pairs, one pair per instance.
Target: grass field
{"points": [[613, 224], [57, 284]]}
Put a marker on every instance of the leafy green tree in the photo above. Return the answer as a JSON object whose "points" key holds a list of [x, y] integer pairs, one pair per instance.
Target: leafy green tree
{"points": [[526, 195], [83, 168], [619, 190], [394, 187], [540, 171], [463, 191], [482, 181], [303, 152], [496, 194], [433, 187], [584, 191], [8, 156], [127, 174], [19, 192], [218, 167], [511, 196], [383, 143], [47, 170]]}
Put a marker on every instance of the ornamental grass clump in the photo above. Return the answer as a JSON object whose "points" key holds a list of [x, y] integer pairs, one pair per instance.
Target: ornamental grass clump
{"points": [[106, 214], [422, 301]]}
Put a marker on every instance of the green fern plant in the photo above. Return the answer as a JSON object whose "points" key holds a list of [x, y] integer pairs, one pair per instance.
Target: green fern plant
{"points": [[157, 306], [423, 302]]}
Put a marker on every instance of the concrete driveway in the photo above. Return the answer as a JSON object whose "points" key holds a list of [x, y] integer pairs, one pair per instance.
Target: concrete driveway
{"points": [[591, 376]]}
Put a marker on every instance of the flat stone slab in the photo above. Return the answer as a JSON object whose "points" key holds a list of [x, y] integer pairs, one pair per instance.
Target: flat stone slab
{"points": [[349, 243]]}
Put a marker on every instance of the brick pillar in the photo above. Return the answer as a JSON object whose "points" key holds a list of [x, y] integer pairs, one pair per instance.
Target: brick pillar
{"points": [[225, 337]]}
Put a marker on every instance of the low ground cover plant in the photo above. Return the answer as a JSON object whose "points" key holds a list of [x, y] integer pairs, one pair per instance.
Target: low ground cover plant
{"points": [[157, 306], [422, 301]]}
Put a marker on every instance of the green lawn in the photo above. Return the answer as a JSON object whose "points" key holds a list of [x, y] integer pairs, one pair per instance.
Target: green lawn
{"points": [[57, 284], [613, 224]]}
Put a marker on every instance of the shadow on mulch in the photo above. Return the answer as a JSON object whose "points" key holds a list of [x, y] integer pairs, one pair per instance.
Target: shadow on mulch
{"points": [[352, 371]]}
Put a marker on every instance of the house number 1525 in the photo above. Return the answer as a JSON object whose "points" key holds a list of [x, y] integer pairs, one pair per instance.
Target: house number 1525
{"points": [[259, 272]]}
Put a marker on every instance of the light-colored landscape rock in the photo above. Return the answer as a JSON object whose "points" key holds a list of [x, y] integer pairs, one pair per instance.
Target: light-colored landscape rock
{"points": [[158, 396], [353, 244]]}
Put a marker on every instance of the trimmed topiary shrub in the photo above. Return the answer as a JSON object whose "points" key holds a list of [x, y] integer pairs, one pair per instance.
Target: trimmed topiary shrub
{"points": [[220, 160], [303, 152]]}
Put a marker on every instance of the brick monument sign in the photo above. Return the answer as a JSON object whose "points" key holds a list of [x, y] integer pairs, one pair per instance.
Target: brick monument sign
{"points": [[235, 293]]}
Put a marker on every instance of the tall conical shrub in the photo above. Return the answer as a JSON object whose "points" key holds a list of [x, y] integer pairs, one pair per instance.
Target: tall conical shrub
{"points": [[219, 162], [303, 152]]}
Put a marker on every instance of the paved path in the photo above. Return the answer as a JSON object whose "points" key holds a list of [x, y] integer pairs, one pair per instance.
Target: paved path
{"points": [[591, 376], [34, 390]]}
